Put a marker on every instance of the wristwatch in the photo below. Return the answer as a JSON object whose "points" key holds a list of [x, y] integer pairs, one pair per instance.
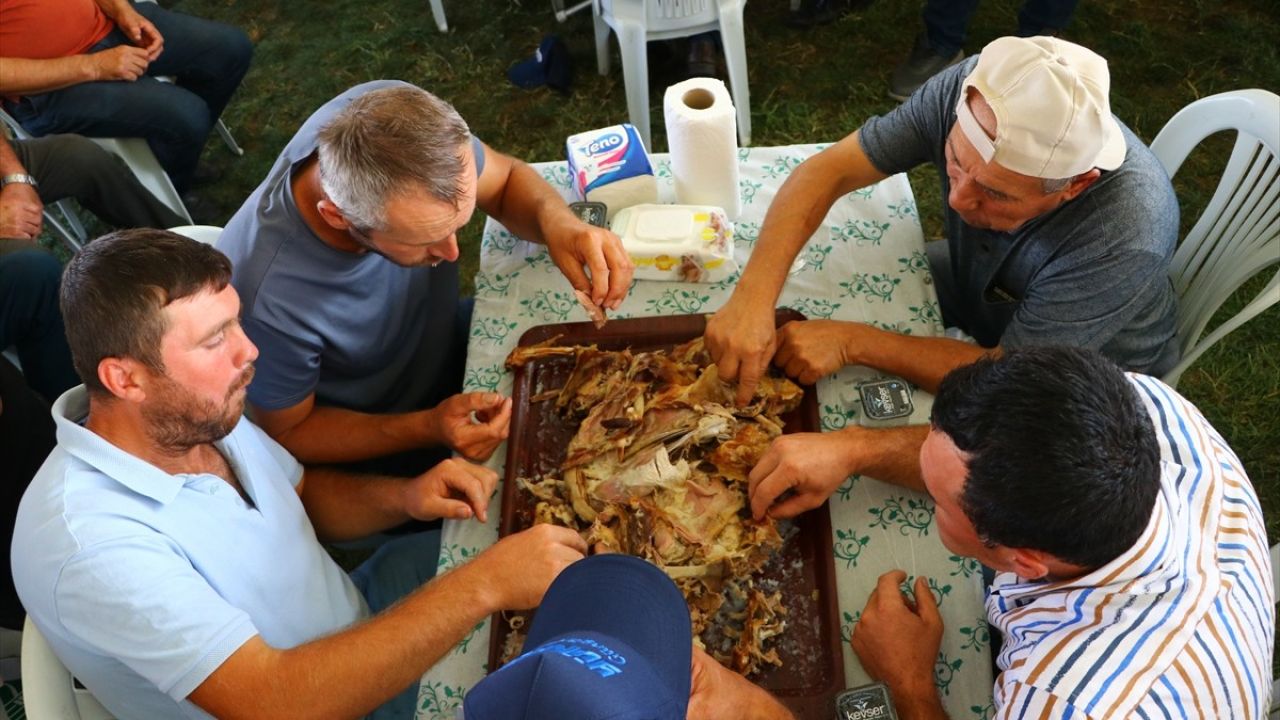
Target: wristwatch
{"points": [[18, 178]]}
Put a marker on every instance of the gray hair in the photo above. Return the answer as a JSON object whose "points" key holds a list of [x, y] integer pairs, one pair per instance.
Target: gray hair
{"points": [[1050, 186], [388, 139]]}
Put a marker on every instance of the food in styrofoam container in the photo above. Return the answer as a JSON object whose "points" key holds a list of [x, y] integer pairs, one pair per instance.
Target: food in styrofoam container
{"points": [[690, 243]]}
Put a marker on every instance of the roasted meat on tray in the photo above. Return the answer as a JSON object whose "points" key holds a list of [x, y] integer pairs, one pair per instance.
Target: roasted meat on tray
{"points": [[658, 469]]}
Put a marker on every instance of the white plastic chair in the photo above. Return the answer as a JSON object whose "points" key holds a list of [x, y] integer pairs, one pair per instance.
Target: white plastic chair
{"points": [[137, 154], [637, 22], [437, 12], [48, 690], [1238, 235], [207, 234]]}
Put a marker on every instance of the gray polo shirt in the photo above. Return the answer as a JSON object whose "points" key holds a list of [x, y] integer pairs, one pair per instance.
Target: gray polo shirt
{"points": [[1092, 273], [356, 329]]}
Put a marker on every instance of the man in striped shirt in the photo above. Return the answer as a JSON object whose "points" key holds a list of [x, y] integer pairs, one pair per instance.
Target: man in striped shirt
{"points": [[1133, 575]]}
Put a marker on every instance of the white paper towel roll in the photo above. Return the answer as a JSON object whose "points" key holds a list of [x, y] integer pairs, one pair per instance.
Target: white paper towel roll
{"points": [[702, 134]]}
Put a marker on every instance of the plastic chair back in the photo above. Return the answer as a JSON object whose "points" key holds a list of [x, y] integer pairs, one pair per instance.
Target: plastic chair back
{"points": [[48, 691], [207, 234], [636, 22], [1238, 235]]}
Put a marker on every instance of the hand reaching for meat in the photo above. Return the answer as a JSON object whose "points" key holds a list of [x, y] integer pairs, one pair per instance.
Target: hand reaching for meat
{"points": [[812, 349], [718, 693], [453, 489], [520, 567], [811, 465], [472, 424]]}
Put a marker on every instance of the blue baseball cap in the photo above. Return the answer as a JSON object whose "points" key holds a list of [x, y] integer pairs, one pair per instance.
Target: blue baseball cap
{"points": [[612, 639], [551, 65]]}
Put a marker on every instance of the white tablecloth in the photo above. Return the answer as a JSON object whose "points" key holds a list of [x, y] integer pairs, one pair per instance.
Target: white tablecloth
{"points": [[866, 263]]}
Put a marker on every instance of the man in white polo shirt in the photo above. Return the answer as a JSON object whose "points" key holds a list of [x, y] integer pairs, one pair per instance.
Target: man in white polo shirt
{"points": [[168, 548]]}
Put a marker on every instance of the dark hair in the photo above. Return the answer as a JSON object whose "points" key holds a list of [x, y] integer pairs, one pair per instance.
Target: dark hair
{"points": [[115, 289], [1062, 455]]}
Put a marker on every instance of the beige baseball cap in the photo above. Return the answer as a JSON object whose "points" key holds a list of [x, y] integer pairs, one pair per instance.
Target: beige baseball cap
{"points": [[1050, 99]]}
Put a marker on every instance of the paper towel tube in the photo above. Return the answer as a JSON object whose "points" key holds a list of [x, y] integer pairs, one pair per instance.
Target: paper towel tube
{"points": [[702, 135]]}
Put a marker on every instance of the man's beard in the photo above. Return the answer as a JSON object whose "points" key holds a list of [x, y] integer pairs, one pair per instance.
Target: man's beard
{"points": [[177, 420]]}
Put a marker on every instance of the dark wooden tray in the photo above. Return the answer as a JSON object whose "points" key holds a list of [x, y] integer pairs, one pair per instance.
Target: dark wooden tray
{"points": [[812, 669]]}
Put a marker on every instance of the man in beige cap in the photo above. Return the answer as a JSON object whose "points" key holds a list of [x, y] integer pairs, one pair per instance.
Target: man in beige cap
{"points": [[1060, 225]]}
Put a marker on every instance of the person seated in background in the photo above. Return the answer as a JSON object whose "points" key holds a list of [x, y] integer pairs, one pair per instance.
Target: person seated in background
{"points": [[946, 22], [612, 639], [1133, 576], [92, 66], [345, 258], [169, 550], [44, 170], [1060, 226]]}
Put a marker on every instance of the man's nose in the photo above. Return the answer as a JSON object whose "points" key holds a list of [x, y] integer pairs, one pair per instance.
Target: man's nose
{"points": [[447, 250]]}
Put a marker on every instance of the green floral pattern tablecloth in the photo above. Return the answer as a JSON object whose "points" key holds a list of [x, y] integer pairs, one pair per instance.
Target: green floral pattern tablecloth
{"points": [[866, 263]]}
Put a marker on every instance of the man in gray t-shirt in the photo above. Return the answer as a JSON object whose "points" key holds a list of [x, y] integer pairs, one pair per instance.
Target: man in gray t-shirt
{"points": [[1060, 226], [344, 260]]}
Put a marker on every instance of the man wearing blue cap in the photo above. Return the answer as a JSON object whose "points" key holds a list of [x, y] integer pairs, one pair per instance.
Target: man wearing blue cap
{"points": [[612, 639]]}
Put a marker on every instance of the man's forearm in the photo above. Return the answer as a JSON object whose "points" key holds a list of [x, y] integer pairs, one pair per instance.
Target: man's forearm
{"points": [[9, 162], [530, 207], [923, 361], [344, 506], [891, 455], [22, 76], [350, 673], [334, 435]]}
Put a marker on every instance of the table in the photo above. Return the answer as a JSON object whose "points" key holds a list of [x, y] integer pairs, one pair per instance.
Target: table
{"points": [[866, 263]]}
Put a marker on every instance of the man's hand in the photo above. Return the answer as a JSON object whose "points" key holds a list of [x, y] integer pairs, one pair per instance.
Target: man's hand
{"points": [[520, 567], [140, 31], [718, 693], [453, 489], [473, 424], [812, 465], [741, 340], [577, 245], [809, 350], [123, 62], [897, 642], [20, 209]]}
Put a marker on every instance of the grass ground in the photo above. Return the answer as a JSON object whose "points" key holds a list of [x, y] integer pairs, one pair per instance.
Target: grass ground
{"points": [[806, 86]]}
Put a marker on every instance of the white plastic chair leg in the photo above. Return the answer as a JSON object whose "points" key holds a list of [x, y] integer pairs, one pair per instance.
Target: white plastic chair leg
{"points": [[735, 55], [635, 74], [602, 40], [437, 12], [225, 134]]}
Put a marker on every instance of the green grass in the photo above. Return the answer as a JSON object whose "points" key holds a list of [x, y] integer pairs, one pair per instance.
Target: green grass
{"points": [[806, 87]]}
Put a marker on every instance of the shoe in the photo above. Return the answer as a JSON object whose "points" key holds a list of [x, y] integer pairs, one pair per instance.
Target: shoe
{"points": [[923, 63]]}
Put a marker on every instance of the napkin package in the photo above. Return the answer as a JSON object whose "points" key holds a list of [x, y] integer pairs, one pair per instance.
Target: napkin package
{"points": [[610, 165], [689, 243]]}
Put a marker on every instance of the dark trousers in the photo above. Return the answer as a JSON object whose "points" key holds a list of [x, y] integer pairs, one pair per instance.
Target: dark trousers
{"points": [[26, 439], [71, 166], [947, 21], [207, 59], [30, 319]]}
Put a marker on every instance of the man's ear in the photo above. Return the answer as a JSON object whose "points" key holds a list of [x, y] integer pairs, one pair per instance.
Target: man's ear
{"points": [[331, 215], [1028, 564], [124, 378], [1080, 183]]}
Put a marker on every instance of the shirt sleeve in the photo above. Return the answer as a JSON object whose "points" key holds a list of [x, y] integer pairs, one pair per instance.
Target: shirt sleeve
{"points": [[914, 132], [288, 464], [288, 366], [138, 600]]}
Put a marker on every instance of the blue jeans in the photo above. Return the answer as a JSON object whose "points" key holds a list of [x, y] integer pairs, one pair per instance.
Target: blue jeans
{"points": [[30, 318], [947, 21], [207, 60], [399, 567]]}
